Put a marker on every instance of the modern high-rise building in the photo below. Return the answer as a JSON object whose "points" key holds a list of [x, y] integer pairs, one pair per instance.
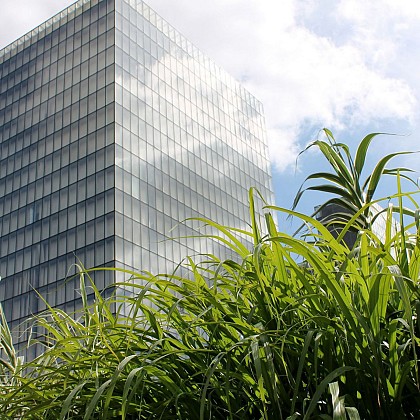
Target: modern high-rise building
{"points": [[113, 129]]}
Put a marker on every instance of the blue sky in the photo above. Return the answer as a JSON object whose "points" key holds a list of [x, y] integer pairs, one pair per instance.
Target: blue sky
{"points": [[349, 65]]}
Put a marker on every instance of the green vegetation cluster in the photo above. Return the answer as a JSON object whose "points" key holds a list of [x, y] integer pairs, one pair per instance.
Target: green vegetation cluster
{"points": [[294, 328]]}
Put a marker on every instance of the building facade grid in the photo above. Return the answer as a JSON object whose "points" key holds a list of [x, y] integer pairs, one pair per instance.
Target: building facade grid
{"points": [[113, 129]]}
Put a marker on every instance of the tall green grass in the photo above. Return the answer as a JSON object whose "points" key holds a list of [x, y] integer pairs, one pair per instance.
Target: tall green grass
{"points": [[290, 328], [259, 337]]}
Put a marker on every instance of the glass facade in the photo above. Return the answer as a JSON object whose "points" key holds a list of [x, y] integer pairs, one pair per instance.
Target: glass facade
{"points": [[113, 129]]}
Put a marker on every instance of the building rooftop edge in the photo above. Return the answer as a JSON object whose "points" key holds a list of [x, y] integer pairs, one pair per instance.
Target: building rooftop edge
{"points": [[43, 27], [48, 26]]}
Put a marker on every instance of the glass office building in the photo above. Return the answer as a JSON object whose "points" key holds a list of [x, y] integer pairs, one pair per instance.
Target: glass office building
{"points": [[113, 129]]}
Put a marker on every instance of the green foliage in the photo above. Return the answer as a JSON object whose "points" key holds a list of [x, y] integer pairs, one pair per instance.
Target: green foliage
{"points": [[261, 336], [345, 182], [10, 363]]}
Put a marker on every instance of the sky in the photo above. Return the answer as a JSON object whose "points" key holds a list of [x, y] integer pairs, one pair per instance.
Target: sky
{"points": [[349, 65]]}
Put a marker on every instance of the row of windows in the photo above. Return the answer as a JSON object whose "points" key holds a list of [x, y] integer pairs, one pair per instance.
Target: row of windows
{"points": [[141, 259], [78, 129], [138, 42], [56, 112], [57, 93], [162, 212], [211, 149], [197, 170], [95, 102], [144, 214], [171, 113], [140, 232], [161, 215], [70, 160], [96, 20], [140, 16], [171, 197], [207, 156], [44, 246], [157, 231], [180, 85], [181, 74], [47, 175], [45, 146], [20, 288], [177, 180], [82, 127], [131, 255], [82, 61], [166, 104], [61, 206], [173, 44], [42, 202], [61, 144], [133, 20]]}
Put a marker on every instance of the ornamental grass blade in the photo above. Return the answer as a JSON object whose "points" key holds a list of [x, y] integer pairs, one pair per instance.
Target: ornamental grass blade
{"points": [[404, 294], [393, 353], [361, 152], [352, 413], [339, 412], [253, 214], [377, 172], [66, 409], [379, 293], [213, 366], [234, 243], [6, 344], [403, 377], [333, 189], [114, 379], [302, 360], [279, 254], [336, 181], [321, 388], [401, 170], [337, 162], [93, 404], [129, 391]]}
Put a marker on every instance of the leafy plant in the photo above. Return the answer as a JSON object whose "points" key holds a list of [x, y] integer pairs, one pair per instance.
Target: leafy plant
{"points": [[257, 336], [351, 192]]}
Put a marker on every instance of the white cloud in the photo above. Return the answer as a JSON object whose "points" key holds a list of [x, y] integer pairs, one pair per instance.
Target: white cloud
{"points": [[312, 63], [306, 74]]}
